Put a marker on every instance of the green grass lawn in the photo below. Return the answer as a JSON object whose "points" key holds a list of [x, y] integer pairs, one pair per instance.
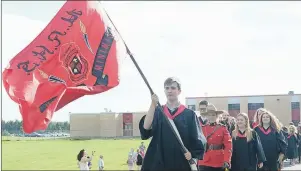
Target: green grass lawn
{"points": [[61, 154]]}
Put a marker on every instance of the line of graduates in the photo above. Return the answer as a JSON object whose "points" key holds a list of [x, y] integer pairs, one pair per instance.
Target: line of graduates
{"points": [[242, 145], [217, 144], [293, 138]]}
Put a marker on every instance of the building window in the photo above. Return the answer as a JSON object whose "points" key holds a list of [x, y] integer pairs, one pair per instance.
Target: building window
{"points": [[192, 107], [295, 105], [233, 106], [255, 106]]}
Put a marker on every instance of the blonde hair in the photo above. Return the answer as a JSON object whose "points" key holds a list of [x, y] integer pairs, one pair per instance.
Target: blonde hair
{"points": [[294, 129], [258, 111], [248, 132], [274, 122]]}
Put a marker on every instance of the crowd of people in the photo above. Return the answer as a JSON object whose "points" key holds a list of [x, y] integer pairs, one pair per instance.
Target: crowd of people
{"points": [[214, 141], [262, 143], [134, 160]]}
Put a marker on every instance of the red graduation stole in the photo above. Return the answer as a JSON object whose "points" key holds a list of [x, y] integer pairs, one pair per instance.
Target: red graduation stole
{"points": [[181, 108], [266, 132], [241, 135]]}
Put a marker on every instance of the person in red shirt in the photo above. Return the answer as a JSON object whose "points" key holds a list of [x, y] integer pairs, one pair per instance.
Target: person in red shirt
{"points": [[218, 152]]}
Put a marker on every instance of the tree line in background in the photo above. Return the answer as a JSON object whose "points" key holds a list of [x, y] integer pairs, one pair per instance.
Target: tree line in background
{"points": [[15, 127]]}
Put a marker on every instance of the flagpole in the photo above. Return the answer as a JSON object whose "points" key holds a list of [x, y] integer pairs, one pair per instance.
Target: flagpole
{"points": [[183, 148]]}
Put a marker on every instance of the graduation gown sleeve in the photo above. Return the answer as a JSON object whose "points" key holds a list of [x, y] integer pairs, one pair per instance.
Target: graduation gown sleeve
{"points": [[197, 139], [281, 142], [146, 134], [259, 149]]}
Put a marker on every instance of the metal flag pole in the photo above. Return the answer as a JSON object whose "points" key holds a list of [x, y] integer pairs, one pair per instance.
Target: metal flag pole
{"points": [[183, 148]]}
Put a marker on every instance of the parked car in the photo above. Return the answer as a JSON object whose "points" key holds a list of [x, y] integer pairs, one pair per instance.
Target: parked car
{"points": [[34, 134]]}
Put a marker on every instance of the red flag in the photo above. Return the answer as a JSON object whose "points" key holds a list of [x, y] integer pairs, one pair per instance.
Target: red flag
{"points": [[75, 55]]}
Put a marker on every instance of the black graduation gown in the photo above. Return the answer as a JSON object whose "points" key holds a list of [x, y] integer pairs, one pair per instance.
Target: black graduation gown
{"points": [[299, 144], [232, 127], [273, 144], [203, 121], [164, 152], [292, 148], [285, 135], [139, 160], [246, 155]]}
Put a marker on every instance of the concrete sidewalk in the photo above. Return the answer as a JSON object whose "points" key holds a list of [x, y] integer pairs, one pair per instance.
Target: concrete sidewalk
{"points": [[296, 167]]}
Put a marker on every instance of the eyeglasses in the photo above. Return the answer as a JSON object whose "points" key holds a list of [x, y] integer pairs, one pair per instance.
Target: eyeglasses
{"points": [[203, 109]]}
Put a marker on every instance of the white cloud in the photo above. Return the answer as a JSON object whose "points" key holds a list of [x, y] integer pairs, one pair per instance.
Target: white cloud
{"points": [[221, 48]]}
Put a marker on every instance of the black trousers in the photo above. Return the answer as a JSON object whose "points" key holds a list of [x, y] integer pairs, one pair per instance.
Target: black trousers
{"points": [[207, 168]]}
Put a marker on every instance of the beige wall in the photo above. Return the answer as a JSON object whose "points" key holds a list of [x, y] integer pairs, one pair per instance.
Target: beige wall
{"points": [[136, 119], [108, 125], [95, 125], [84, 125], [101, 125], [119, 125], [280, 105]]}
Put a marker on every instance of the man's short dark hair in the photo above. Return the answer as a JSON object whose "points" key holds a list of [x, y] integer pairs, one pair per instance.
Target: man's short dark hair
{"points": [[171, 80], [204, 102]]}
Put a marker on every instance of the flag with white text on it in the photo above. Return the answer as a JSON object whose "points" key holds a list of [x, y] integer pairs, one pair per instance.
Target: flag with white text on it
{"points": [[76, 54]]}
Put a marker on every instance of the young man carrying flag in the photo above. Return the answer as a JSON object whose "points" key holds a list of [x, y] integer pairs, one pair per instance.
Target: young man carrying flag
{"points": [[164, 151]]}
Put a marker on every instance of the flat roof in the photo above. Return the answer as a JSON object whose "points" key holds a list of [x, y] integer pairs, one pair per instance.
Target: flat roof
{"points": [[241, 96], [101, 113], [107, 113]]}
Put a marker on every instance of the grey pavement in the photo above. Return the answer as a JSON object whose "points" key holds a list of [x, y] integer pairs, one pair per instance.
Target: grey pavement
{"points": [[296, 167]]}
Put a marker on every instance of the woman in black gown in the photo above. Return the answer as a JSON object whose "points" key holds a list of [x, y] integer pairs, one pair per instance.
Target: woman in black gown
{"points": [[247, 152], [292, 149], [299, 142], [272, 140]]}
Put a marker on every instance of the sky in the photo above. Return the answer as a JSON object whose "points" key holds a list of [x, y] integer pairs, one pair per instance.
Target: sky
{"points": [[218, 48]]}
